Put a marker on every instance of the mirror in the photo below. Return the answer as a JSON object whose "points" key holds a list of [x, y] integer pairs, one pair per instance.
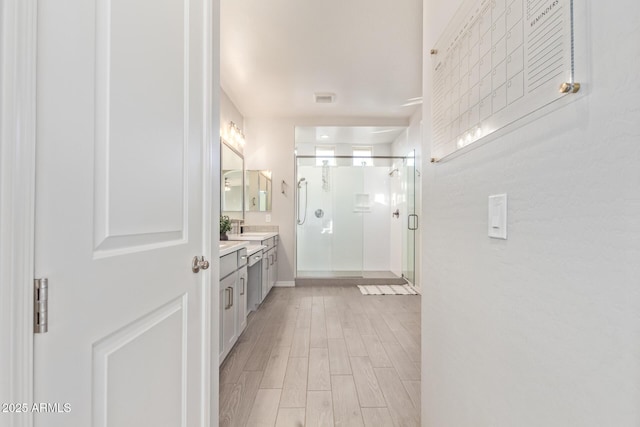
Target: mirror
{"points": [[231, 182], [258, 191]]}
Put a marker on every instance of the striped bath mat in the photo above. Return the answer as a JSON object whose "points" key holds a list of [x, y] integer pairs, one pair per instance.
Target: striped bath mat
{"points": [[387, 290]]}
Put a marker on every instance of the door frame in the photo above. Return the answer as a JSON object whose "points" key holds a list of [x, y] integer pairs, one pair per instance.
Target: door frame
{"points": [[18, 36]]}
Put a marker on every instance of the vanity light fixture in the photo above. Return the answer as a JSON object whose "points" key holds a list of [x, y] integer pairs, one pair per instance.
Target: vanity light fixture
{"points": [[236, 133], [234, 136]]}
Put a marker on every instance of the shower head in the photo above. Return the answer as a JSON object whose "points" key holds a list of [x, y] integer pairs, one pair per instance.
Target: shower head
{"points": [[395, 170], [300, 181]]}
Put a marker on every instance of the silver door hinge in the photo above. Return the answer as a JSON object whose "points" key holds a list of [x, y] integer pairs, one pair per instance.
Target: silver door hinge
{"points": [[40, 305]]}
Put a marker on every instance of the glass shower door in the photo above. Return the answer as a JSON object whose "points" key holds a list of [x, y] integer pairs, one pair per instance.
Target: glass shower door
{"points": [[411, 225], [329, 235]]}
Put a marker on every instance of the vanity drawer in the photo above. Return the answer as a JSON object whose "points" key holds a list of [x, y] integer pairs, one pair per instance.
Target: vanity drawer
{"points": [[268, 243], [256, 257], [242, 257], [228, 264]]}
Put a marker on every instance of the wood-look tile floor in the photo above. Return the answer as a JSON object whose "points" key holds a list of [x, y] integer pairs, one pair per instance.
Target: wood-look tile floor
{"points": [[325, 356]]}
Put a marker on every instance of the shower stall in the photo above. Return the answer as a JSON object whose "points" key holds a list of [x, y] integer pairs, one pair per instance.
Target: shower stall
{"points": [[355, 218]]}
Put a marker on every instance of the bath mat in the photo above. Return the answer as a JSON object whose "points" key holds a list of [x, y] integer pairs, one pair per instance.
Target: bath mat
{"points": [[387, 290]]}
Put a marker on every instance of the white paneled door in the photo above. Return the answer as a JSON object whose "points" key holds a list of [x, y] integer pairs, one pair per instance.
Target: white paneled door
{"points": [[119, 213]]}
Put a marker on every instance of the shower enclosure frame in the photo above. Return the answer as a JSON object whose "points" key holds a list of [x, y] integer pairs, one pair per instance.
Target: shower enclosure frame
{"points": [[408, 217]]}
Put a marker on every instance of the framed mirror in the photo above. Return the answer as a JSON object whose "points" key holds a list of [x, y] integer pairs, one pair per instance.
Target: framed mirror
{"points": [[258, 191], [231, 182]]}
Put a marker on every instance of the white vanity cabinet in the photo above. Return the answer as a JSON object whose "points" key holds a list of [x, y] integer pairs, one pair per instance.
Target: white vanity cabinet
{"points": [[272, 277], [270, 262], [241, 310], [228, 321], [265, 277], [254, 278], [261, 277], [233, 297]]}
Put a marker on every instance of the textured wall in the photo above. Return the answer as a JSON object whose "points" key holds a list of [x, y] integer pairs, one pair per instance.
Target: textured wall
{"points": [[542, 329]]}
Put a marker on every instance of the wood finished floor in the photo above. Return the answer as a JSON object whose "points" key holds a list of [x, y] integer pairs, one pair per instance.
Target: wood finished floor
{"points": [[325, 356]]}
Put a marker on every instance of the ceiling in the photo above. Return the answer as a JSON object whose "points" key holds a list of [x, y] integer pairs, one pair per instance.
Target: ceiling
{"points": [[276, 54], [367, 135]]}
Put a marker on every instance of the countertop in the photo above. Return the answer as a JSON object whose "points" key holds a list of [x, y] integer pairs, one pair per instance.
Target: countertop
{"points": [[252, 236], [229, 246]]}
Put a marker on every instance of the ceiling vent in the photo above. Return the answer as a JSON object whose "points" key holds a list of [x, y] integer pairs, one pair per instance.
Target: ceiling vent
{"points": [[324, 98]]}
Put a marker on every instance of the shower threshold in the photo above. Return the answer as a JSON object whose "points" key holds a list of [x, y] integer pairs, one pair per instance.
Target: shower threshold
{"points": [[347, 278]]}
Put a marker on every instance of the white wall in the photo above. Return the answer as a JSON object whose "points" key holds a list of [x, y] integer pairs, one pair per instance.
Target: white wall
{"points": [[411, 139], [542, 329], [270, 144]]}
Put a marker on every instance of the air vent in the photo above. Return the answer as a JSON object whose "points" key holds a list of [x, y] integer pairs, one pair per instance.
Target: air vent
{"points": [[325, 98]]}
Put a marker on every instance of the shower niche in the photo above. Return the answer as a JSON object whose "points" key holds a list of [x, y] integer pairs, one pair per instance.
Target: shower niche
{"points": [[361, 202]]}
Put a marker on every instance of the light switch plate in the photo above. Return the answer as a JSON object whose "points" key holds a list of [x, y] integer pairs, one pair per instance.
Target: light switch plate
{"points": [[497, 224], [267, 218]]}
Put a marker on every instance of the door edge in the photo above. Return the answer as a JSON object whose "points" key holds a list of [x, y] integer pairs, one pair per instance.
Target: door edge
{"points": [[18, 44]]}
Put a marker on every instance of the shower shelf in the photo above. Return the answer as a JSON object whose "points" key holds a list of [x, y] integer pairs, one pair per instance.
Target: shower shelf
{"points": [[362, 209], [362, 203]]}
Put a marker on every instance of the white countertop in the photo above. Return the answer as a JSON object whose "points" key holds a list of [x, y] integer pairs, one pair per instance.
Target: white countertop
{"points": [[252, 236], [229, 246]]}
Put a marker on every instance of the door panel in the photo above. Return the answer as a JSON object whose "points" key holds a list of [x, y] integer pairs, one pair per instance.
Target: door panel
{"points": [[141, 123], [119, 188], [128, 362]]}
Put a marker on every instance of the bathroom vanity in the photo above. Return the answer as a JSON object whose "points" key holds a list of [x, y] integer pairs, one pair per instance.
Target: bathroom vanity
{"points": [[233, 294], [248, 271], [263, 273]]}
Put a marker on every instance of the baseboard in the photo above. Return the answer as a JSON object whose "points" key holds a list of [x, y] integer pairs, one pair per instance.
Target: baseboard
{"points": [[287, 284], [348, 281]]}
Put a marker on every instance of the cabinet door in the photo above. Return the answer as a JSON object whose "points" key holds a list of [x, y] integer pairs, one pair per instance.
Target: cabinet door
{"points": [[272, 268], [275, 265], [265, 276], [228, 326], [241, 309]]}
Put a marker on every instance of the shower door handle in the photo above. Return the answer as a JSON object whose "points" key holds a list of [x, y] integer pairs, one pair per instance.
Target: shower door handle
{"points": [[306, 196], [415, 227]]}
